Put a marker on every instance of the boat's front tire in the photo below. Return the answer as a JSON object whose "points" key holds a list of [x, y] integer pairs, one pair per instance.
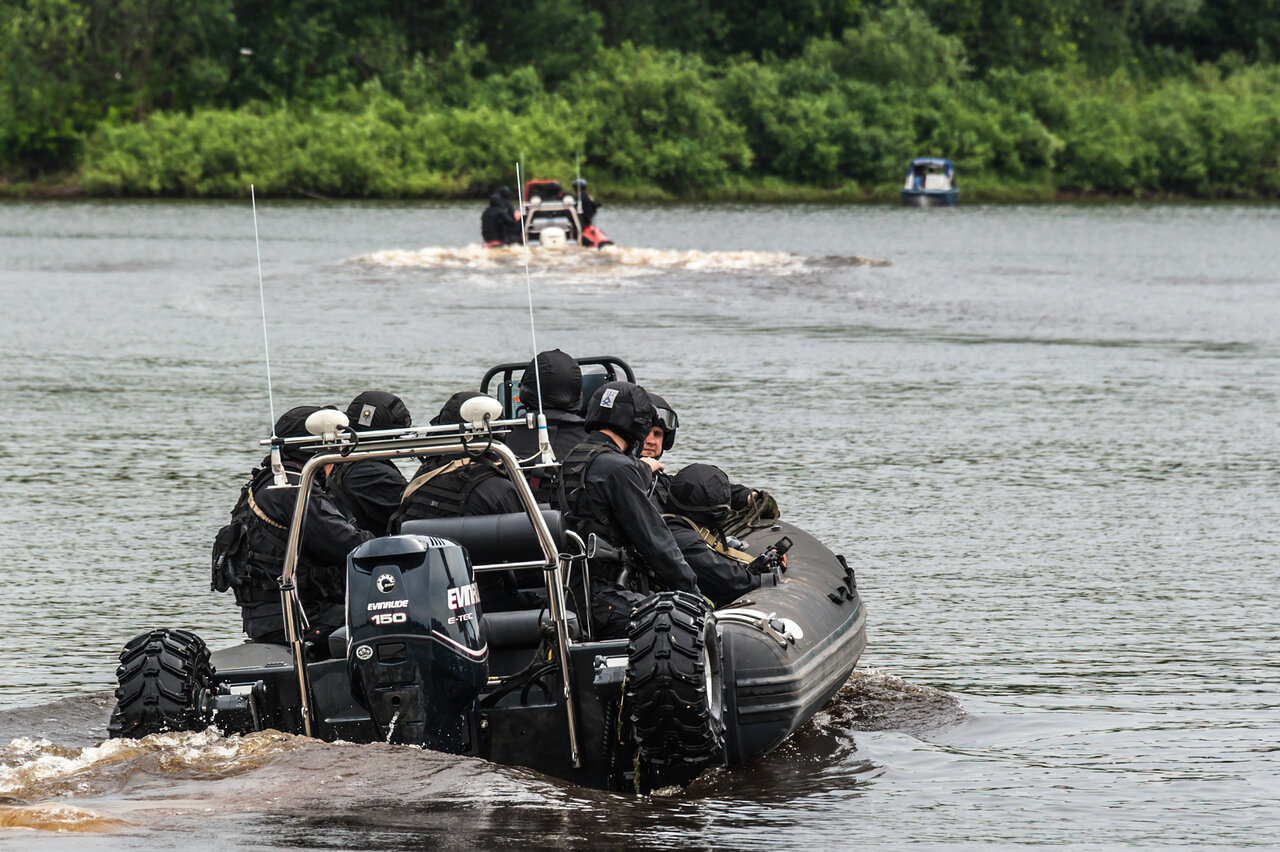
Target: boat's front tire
{"points": [[163, 678], [674, 688]]}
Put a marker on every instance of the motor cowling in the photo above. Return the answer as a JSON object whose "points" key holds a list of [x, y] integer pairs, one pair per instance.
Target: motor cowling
{"points": [[418, 655]]}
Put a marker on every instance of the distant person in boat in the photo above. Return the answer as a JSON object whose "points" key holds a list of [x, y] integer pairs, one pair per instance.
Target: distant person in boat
{"points": [[370, 490], [698, 506], [605, 494], [662, 437], [248, 553], [511, 224], [493, 222], [459, 485], [586, 204], [561, 400]]}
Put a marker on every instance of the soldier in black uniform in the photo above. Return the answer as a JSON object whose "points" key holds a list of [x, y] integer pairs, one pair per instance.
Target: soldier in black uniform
{"points": [[699, 502], [662, 437], [248, 553], [494, 230], [604, 492], [458, 485], [370, 490], [589, 204], [561, 381]]}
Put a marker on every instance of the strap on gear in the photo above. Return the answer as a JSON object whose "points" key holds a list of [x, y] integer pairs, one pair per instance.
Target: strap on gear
{"points": [[713, 539], [427, 497]]}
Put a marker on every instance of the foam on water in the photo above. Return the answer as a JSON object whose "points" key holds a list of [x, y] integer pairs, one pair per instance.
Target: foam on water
{"points": [[612, 259], [33, 769]]}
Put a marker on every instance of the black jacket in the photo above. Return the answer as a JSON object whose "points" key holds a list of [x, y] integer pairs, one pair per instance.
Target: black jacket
{"points": [[565, 430], [589, 208], [474, 489], [612, 501], [368, 491], [721, 578], [492, 225], [328, 536]]}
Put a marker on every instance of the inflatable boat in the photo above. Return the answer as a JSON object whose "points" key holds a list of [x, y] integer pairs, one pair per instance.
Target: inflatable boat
{"points": [[421, 661]]}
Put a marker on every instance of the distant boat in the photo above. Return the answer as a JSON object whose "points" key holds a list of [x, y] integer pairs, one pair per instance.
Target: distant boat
{"points": [[931, 182]]}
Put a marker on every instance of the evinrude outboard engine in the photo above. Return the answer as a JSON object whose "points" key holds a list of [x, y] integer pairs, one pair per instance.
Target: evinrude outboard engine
{"points": [[418, 655]]}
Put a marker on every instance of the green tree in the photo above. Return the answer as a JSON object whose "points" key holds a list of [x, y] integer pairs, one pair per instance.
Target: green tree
{"points": [[43, 105]]}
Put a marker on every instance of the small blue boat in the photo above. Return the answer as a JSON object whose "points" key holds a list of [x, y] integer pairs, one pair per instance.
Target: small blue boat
{"points": [[931, 182]]}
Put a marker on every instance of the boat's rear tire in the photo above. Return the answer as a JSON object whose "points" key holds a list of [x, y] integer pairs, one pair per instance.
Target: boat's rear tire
{"points": [[164, 679], [674, 688]]}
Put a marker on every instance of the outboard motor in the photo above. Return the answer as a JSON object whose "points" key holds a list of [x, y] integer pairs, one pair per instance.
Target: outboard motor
{"points": [[418, 655]]}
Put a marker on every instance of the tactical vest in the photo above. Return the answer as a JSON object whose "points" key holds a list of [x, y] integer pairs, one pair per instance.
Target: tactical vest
{"points": [[236, 565], [582, 515], [443, 492]]}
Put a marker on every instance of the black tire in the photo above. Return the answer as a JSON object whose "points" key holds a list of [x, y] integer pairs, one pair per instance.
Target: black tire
{"points": [[164, 677], [674, 688]]}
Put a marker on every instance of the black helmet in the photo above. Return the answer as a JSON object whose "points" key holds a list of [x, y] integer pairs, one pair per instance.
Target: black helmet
{"points": [[623, 408], [665, 416], [451, 411], [373, 410], [580, 184], [293, 424], [504, 192], [495, 200], [701, 492], [561, 382]]}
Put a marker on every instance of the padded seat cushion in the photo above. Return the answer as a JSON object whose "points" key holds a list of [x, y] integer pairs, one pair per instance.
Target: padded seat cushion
{"points": [[493, 539]]}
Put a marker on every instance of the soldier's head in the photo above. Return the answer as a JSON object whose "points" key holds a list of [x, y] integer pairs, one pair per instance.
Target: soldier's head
{"points": [[293, 424], [560, 378], [624, 410], [701, 492], [373, 410], [662, 434]]}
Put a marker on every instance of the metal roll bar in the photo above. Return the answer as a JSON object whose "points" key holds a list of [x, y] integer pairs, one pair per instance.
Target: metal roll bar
{"points": [[405, 443]]}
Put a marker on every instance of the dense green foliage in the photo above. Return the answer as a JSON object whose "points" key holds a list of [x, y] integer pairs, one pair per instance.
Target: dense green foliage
{"points": [[679, 98]]}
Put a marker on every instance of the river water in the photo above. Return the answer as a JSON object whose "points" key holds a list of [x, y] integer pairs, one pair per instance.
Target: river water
{"points": [[1045, 437]]}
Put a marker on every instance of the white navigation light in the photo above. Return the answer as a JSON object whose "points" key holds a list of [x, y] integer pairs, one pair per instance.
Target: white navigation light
{"points": [[552, 236], [326, 423], [535, 200], [473, 411]]}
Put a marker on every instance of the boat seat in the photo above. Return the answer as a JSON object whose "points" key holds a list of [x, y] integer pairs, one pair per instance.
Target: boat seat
{"points": [[493, 539], [338, 643], [522, 628]]}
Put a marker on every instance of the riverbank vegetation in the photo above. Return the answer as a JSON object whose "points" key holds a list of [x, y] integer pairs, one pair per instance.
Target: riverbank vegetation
{"points": [[791, 99]]}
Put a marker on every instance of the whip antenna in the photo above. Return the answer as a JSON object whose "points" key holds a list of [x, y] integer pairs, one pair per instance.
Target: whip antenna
{"points": [[277, 465], [577, 192], [544, 441]]}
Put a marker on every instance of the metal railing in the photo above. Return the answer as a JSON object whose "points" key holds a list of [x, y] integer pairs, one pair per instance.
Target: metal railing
{"points": [[348, 447]]}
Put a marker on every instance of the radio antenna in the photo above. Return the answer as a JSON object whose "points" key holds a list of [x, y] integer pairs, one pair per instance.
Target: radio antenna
{"points": [[277, 464], [577, 193], [544, 441]]}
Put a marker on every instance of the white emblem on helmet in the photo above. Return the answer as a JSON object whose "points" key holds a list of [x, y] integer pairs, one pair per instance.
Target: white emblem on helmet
{"points": [[386, 583], [366, 415], [607, 398]]}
